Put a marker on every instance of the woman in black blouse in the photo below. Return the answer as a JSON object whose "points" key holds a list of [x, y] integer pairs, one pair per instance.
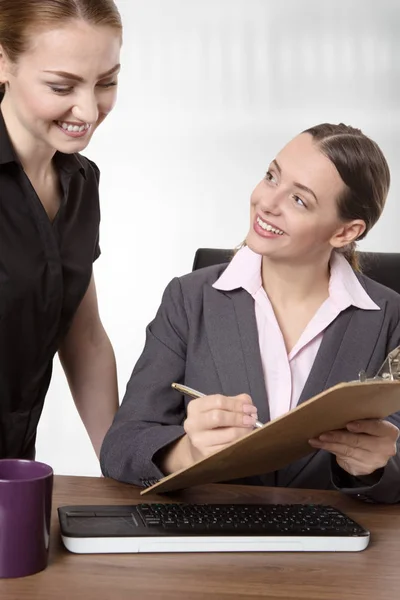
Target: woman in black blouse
{"points": [[58, 69]]}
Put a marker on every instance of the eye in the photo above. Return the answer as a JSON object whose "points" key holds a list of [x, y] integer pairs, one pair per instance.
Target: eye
{"points": [[299, 201], [61, 90], [107, 85], [270, 177]]}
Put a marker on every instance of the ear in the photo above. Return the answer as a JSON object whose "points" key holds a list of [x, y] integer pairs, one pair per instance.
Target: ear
{"points": [[348, 233], [4, 66]]}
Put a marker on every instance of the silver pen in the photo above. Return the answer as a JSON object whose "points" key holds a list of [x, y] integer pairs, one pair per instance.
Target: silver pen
{"points": [[195, 394]]}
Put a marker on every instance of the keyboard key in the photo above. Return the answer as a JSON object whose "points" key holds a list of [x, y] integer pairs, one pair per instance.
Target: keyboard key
{"points": [[269, 519]]}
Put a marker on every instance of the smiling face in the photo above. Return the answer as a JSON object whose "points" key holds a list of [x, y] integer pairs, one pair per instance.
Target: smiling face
{"points": [[62, 87], [293, 211]]}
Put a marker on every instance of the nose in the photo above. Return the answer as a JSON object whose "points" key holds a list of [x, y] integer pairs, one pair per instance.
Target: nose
{"points": [[270, 202], [86, 108]]}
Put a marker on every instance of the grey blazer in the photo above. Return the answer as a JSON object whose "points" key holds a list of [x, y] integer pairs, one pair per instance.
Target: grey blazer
{"points": [[207, 339]]}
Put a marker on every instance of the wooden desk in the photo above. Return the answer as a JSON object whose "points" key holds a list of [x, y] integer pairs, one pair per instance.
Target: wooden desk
{"points": [[374, 573]]}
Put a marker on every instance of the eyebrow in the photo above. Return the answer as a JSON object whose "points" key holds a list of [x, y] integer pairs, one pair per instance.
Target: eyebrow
{"points": [[299, 185], [81, 79]]}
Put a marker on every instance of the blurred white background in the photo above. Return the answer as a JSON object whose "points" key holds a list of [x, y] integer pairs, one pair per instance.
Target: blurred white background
{"points": [[209, 92]]}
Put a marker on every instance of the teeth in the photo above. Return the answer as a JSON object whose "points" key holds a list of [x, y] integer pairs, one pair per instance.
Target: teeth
{"points": [[74, 128], [267, 227]]}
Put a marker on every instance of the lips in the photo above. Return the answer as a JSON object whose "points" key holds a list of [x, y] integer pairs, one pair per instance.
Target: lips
{"points": [[268, 226], [73, 127], [73, 132]]}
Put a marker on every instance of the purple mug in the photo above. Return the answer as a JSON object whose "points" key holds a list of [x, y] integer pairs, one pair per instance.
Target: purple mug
{"points": [[26, 488]]}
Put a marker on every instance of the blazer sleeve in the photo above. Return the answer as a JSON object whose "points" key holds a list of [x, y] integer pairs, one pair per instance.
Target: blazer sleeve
{"points": [[386, 487], [151, 414]]}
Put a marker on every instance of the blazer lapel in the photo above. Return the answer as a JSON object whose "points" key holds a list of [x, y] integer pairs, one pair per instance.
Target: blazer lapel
{"points": [[327, 356], [233, 338], [346, 349]]}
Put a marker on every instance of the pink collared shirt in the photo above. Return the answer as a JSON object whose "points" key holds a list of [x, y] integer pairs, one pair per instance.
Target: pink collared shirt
{"points": [[286, 374]]}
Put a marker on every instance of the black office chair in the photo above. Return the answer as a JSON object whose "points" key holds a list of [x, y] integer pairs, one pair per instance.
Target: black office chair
{"points": [[383, 267]]}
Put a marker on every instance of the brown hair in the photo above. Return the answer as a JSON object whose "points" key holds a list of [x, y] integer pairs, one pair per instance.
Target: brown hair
{"points": [[19, 17], [364, 171]]}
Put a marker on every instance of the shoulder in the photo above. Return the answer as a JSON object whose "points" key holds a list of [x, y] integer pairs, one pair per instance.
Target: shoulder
{"points": [[380, 294], [193, 283], [189, 289], [183, 301]]}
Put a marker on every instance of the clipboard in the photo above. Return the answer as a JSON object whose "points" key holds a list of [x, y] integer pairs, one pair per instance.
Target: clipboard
{"points": [[285, 439]]}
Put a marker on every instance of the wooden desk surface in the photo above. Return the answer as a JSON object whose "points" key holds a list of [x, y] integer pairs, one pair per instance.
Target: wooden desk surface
{"points": [[373, 573]]}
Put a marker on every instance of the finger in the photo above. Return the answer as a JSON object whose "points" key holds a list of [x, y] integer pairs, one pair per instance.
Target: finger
{"points": [[355, 440], [225, 418], [240, 404], [385, 445], [213, 438], [374, 460], [215, 419], [375, 427], [340, 449]]}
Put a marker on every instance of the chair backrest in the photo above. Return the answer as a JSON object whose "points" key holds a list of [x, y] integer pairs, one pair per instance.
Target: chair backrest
{"points": [[383, 267]]}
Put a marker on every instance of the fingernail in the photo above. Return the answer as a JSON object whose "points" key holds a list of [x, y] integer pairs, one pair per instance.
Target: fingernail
{"points": [[249, 420], [250, 409], [315, 442], [326, 437]]}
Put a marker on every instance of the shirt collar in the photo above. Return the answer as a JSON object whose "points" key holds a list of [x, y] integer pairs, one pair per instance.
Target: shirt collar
{"points": [[244, 271], [344, 287], [70, 163], [66, 162]]}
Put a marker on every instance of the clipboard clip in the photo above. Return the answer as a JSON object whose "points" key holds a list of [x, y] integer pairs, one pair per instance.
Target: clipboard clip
{"points": [[389, 371]]}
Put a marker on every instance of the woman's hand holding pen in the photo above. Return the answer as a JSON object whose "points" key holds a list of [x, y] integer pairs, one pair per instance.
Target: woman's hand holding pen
{"points": [[215, 421], [363, 447], [212, 422]]}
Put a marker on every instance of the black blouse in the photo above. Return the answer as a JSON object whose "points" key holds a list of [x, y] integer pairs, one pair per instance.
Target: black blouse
{"points": [[45, 270]]}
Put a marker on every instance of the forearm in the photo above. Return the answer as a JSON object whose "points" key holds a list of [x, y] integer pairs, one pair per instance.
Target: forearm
{"points": [[132, 449], [91, 373]]}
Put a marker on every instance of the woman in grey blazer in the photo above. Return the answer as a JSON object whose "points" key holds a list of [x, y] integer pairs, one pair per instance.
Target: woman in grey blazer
{"points": [[289, 317]]}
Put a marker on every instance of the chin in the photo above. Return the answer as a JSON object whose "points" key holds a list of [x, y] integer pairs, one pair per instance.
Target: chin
{"points": [[257, 244], [72, 147], [253, 246]]}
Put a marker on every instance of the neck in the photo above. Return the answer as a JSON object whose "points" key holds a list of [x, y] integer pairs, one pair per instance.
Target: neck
{"points": [[35, 156], [288, 284]]}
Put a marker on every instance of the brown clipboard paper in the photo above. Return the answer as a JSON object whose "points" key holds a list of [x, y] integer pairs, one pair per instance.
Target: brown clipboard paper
{"points": [[285, 439]]}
